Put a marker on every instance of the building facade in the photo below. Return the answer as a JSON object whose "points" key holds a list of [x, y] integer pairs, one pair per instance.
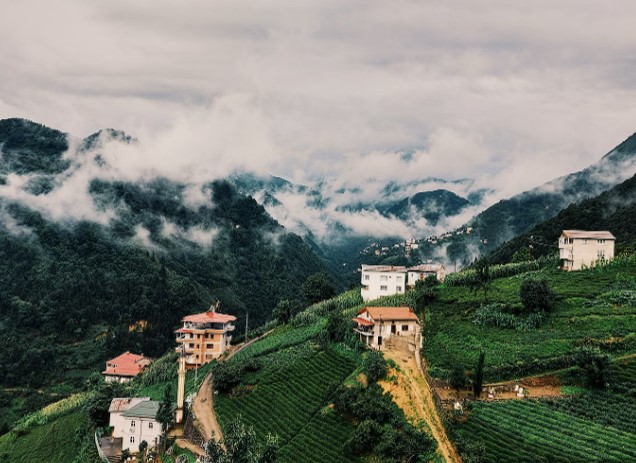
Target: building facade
{"points": [[376, 325], [140, 424], [117, 407], [420, 272], [581, 249], [382, 280], [204, 337], [125, 367]]}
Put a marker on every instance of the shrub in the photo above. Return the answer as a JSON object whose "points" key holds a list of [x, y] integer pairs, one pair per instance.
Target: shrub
{"points": [[374, 366], [536, 295], [226, 376]]}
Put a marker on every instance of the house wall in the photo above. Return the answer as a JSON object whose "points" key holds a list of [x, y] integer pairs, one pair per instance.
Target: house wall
{"points": [[377, 284], [203, 346], [117, 422], [144, 430], [584, 252], [385, 331]]}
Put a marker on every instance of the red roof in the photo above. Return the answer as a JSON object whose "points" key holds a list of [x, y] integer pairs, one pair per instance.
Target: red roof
{"points": [[126, 364], [362, 321], [391, 313], [209, 317]]}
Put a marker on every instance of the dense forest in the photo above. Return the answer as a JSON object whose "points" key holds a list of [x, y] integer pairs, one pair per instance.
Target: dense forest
{"points": [[73, 293]]}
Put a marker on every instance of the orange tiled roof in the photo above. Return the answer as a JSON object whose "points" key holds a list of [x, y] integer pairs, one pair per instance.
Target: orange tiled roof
{"points": [[126, 364], [391, 313], [209, 317], [362, 321]]}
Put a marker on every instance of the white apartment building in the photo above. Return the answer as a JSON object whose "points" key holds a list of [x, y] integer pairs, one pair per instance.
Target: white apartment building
{"points": [[580, 248], [382, 280]]}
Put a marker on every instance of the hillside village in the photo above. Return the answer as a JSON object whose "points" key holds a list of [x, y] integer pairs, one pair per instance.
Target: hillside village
{"points": [[395, 329]]}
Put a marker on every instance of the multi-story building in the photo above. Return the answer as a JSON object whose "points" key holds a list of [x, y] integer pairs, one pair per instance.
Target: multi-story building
{"points": [[382, 280], [204, 337], [579, 248]]}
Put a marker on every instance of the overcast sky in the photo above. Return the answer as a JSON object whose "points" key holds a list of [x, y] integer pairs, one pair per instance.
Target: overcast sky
{"points": [[510, 93]]}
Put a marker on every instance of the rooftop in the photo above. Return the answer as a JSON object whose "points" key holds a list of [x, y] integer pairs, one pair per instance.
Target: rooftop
{"points": [[146, 409], [121, 404], [426, 268], [209, 317], [127, 364], [597, 235], [390, 313], [382, 268]]}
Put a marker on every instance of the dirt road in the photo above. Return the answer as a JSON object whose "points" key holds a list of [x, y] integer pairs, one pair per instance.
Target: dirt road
{"points": [[412, 394]]}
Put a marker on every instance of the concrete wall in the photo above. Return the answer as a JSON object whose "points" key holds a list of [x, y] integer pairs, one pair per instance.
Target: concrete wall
{"points": [[377, 284]]}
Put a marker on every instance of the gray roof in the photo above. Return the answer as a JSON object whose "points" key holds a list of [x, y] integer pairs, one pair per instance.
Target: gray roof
{"points": [[147, 409]]}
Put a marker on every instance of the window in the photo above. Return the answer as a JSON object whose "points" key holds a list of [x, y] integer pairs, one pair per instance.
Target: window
{"points": [[398, 289], [405, 327], [383, 278], [600, 254], [191, 345], [383, 288], [209, 346], [150, 424], [132, 439], [584, 240], [398, 279], [600, 241], [132, 424], [366, 277]]}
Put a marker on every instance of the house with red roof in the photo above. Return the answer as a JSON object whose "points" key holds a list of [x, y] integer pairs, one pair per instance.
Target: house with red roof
{"points": [[204, 337], [376, 325], [125, 367]]}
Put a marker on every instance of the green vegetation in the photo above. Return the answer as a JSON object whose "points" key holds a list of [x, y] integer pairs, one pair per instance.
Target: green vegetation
{"points": [[533, 431], [587, 310]]}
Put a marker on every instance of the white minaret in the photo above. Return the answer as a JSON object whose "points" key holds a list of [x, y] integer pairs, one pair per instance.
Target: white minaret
{"points": [[180, 386]]}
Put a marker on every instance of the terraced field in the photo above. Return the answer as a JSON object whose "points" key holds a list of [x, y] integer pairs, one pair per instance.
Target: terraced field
{"points": [[290, 402], [532, 431]]}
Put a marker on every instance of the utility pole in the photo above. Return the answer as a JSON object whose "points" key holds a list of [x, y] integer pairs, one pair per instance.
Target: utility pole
{"points": [[247, 319]]}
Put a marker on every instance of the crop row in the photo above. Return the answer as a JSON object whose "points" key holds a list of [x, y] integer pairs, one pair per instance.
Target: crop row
{"points": [[281, 338], [603, 408], [288, 400], [320, 441], [533, 431]]}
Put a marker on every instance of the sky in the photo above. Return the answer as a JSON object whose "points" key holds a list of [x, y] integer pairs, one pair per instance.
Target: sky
{"points": [[509, 93]]}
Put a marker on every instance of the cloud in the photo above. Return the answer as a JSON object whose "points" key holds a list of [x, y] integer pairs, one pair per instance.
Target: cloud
{"points": [[509, 94]]}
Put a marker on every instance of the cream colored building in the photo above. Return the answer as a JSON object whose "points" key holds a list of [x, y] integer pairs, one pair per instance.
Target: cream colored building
{"points": [[420, 272], [376, 325], [140, 425], [580, 249], [204, 337], [382, 280], [117, 407]]}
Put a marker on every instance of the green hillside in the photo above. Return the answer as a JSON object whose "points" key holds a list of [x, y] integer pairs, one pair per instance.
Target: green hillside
{"points": [[613, 210]]}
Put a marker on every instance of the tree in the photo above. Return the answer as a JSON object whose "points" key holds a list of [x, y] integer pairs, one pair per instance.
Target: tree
{"points": [[536, 295], [165, 414], [424, 294], [241, 446], [374, 366], [478, 381], [458, 378], [317, 288], [285, 310], [595, 365], [482, 279], [522, 255], [143, 446]]}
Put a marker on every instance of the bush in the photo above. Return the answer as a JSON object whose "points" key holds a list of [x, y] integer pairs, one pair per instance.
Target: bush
{"points": [[226, 376], [374, 366], [595, 366], [536, 295]]}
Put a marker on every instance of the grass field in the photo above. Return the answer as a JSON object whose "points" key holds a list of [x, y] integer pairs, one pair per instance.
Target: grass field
{"points": [[532, 431], [586, 308]]}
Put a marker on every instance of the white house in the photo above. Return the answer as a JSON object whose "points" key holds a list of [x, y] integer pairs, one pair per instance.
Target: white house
{"points": [[580, 248], [375, 325], [382, 280], [136, 423], [118, 406], [420, 272]]}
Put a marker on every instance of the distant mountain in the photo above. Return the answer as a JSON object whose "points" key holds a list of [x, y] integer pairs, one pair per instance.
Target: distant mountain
{"points": [[85, 256], [613, 210], [431, 205]]}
